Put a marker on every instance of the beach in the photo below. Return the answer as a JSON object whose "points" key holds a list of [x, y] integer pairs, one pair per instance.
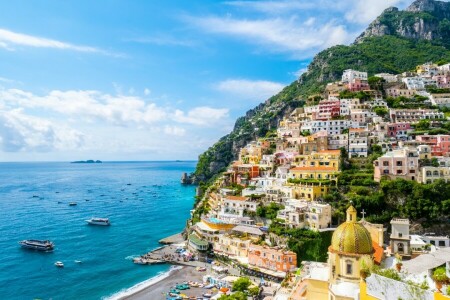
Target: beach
{"points": [[155, 288]]}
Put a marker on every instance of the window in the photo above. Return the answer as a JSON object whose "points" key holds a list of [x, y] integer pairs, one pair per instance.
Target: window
{"points": [[400, 234], [442, 243], [385, 163], [349, 267]]}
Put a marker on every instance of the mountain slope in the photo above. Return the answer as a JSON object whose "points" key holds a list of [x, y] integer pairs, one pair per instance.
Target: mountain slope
{"points": [[387, 51]]}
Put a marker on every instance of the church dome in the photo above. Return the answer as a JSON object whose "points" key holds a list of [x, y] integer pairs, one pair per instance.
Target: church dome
{"points": [[352, 237]]}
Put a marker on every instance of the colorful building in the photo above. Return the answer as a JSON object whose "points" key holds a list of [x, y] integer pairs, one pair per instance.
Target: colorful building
{"points": [[400, 163], [272, 258]]}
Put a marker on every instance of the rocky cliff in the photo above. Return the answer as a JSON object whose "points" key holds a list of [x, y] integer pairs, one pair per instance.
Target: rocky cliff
{"points": [[423, 19], [395, 42]]}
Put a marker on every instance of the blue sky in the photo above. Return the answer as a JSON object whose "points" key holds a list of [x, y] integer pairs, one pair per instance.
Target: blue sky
{"points": [[152, 80]]}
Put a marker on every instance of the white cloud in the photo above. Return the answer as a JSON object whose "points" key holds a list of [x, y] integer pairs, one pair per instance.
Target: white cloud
{"points": [[257, 90], [288, 35], [363, 12], [174, 130], [9, 38], [203, 115], [92, 122], [147, 92], [20, 132], [300, 72], [118, 110]]}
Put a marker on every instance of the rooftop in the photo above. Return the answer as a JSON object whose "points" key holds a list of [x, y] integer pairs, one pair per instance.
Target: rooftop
{"points": [[427, 261], [248, 229], [236, 198]]}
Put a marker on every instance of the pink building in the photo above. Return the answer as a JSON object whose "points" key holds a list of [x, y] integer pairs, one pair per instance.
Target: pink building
{"points": [[400, 163], [442, 81], [398, 130], [358, 85], [440, 144], [272, 258], [328, 109]]}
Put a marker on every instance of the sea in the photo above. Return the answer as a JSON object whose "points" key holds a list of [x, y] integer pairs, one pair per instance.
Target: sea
{"points": [[144, 201]]}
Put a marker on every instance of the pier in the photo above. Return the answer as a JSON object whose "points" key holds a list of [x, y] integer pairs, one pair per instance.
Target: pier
{"points": [[173, 239]]}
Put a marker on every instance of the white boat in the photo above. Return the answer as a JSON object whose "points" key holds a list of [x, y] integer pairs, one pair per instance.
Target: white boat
{"points": [[72, 204], [99, 221], [59, 264]]}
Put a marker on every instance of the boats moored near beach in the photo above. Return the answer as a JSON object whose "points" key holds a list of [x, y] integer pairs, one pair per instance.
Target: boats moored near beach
{"points": [[39, 245], [99, 221]]}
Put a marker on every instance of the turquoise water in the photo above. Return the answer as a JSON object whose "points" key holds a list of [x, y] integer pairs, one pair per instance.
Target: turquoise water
{"points": [[153, 206]]}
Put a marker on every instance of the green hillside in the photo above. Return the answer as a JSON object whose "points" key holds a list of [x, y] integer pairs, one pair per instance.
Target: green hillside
{"points": [[375, 54]]}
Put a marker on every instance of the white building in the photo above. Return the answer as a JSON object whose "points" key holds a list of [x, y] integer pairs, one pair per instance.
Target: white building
{"points": [[350, 75], [400, 239], [387, 77], [357, 143], [414, 83], [331, 126], [338, 141], [236, 205], [440, 100]]}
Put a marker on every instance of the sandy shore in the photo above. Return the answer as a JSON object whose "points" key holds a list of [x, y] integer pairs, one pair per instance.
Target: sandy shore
{"points": [[156, 289]]}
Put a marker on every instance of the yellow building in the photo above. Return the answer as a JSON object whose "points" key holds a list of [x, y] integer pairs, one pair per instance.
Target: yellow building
{"points": [[309, 191], [318, 173], [323, 158]]}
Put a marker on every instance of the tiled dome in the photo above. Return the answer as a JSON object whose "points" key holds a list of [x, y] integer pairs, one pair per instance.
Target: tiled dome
{"points": [[352, 237]]}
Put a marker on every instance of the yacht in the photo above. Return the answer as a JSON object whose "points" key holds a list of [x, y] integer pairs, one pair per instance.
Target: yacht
{"points": [[72, 204], [37, 245], [99, 221]]}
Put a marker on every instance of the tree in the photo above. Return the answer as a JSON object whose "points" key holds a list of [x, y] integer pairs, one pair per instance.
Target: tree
{"points": [[381, 111], [375, 83], [242, 284], [422, 125], [253, 291]]}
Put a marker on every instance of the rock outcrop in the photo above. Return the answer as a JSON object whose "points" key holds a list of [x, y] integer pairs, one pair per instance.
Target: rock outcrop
{"points": [[423, 19]]}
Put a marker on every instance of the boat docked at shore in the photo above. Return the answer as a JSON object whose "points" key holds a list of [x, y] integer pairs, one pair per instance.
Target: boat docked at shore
{"points": [[40, 245], [99, 221]]}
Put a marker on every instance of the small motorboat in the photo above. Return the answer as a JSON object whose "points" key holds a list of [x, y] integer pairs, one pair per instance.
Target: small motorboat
{"points": [[72, 204], [78, 261], [59, 264], [207, 295], [99, 221]]}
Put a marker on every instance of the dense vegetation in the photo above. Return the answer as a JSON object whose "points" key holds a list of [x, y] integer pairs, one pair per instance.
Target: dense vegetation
{"points": [[307, 244]]}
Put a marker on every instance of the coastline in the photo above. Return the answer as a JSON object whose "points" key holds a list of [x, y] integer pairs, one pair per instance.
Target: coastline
{"points": [[127, 293], [156, 287]]}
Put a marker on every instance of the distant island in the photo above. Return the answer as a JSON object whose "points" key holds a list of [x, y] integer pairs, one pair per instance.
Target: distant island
{"points": [[90, 161]]}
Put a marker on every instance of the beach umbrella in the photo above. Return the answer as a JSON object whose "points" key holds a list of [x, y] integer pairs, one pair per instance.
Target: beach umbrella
{"points": [[224, 290]]}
